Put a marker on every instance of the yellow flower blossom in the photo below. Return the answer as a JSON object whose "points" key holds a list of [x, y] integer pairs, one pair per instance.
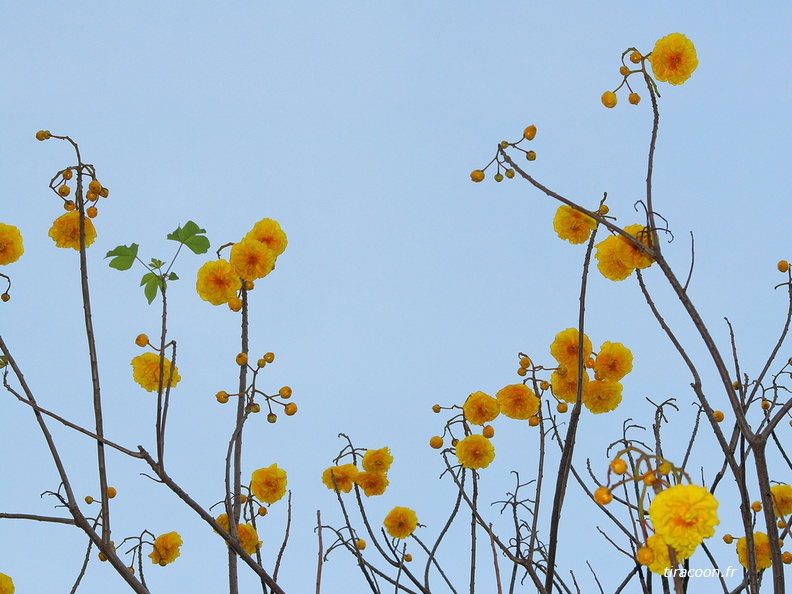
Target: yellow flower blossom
{"points": [[372, 483], [248, 538], [480, 408], [517, 401], [662, 559], [782, 499], [166, 548], [617, 257], [673, 59], [762, 548], [10, 244], [268, 484], [269, 232], [251, 259], [377, 461], [564, 348], [572, 225], [6, 584], [602, 396], [65, 231], [684, 515], [565, 386], [613, 362], [217, 282], [400, 522], [146, 372], [638, 259], [222, 519], [344, 475], [475, 451]]}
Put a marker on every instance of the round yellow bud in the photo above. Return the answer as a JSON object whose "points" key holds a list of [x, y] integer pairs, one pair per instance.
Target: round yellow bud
{"points": [[89, 500], [104, 192], [786, 557], [783, 266], [635, 57], [609, 99], [290, 409], [269, 357], [222, 396], [360, 544], [603, 209], [525, 362], [649, 478], [436, 442], [477, 175], [64, 190], [766, 404], [530, 155], [488, 431], [533, 421], [756, 506], [262, 511], [42, 135], [618, 466], [407, 558], [94, 186], [529, 133], [235, 304], [562, 407], [141, 340], [91, 196], [634, 98], [624, 71], [603, 496], [272, 417], [522, 371], [544, 384], [285, 392], [509, 173], [111, 492], [645, 556], [67, 173], [665, 468], [242, 359], [255, 408], [435, 408], [5, 297], [102, 557], [91, 211], [718, 416], [242, 498], [728, 538]]}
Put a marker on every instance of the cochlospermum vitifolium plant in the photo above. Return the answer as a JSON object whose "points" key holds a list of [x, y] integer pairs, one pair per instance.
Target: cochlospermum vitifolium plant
{"points": [[11, 249]]}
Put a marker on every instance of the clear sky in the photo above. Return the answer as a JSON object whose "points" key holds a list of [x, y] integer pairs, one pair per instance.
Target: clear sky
{"points": [[355, 125]]}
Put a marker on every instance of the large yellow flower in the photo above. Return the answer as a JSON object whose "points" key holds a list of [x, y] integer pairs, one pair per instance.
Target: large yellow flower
{"points": [[662, 560], [565, 386], [6, 584], [217, 282], [517, 401], [344, 476], [613, 362], [10, 244], [572, 225], [564, 348], [475, 451], [377, 461], [166, 548], [684, 515], [400, 522], [372, 483], [617, 257], [782, 499], [252, 259], [480, 408], [762, 548], [638, 259], [602, 396], [673, 59], [146, 372], [268, 484], [65, 231], [248, 538], [269, 232]]}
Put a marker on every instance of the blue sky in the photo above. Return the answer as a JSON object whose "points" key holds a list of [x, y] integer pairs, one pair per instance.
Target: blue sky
{"points": [[355, 125]]}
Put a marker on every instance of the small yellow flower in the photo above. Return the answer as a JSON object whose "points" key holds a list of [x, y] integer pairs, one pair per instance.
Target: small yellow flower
{"points": [[400, 522], [372, 483], [517, 401], [251, 259], [477, 175], [684, 515], [146, 372], [217, 282], [564, 348], [762, 548], [344, 475], [377, 461], [673, 59], [268, 484], [572, 225], [602, 396], [10, 244], [65, 231], [480, 408], [565, 386], [6, 584], [166, 548], [613, 362], [270, 233], [475, 451], [782, 499], [248, 538], [661, 560]]}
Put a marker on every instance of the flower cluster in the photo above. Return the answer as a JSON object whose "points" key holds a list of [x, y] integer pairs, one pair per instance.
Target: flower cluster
{"points": [[166, 548], [529, 134], [617, 256], [373, 479], [251, 392], [253, 257]]}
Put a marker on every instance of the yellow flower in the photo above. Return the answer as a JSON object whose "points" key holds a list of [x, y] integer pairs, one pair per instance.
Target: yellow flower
{"points": [[564, 348], [782, 499], [475, 451], [166, 548], [268, 484], [613, 362], [252, 259], [269, 232], [217, 282], [517, 401], [222, 519], [673, 59], [638, 258], [344, 475], [400, 522], [146, 372], [372, 483], [617, 257], [248, 538], [565, 386], [684, 515], [10, 244], [480, 408], [377, 461], [762, 548], [602, 396], [572, 225], [65, 231], [6, 584], [662, 559]]}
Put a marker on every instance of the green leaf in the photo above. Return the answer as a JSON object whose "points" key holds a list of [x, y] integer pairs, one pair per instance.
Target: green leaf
{"points": [[151, 283], [156, 264], [191, 235], [124, 256], [172, 276]]}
